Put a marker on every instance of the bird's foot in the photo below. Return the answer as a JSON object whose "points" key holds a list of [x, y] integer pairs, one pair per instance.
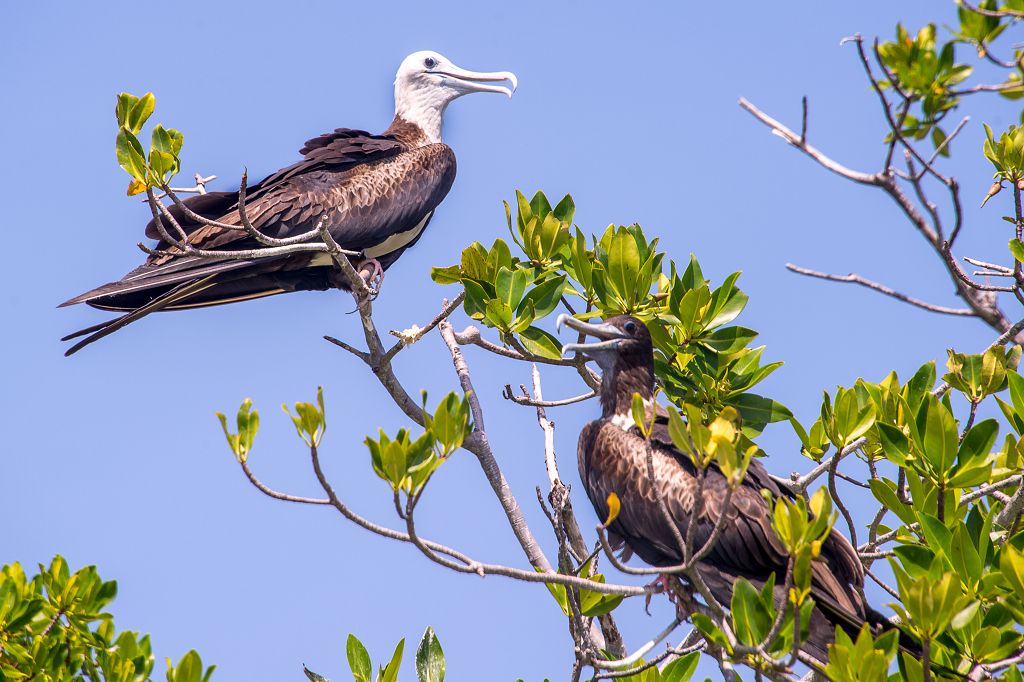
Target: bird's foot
{"points": [[677, 592], [372, 273], [663, 583]]}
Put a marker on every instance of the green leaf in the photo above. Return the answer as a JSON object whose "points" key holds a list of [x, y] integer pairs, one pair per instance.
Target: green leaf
{"points": [[895, 443], [449, 275], [358, 659], [641, 418], [391, 669], [1011, 564], [938, 535], [681, 669], [450, 422], [760, 410], [140, 112], [884, 492], [130, 155], [430, 663], [545, 296], [313, 676], [751, 621], [125, 102], [964, 555], [939, 434], [623, 264], [1017, 249], [189, 668], [594, 604], [565, 210], [540, 342], [729, 340]]}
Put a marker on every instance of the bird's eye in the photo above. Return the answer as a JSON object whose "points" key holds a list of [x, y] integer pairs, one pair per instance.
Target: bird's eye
{"points": [[430, 62], [630, 327]]}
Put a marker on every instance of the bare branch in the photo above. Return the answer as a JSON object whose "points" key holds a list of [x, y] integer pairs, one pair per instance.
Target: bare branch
{"points": [[631, 660], [478, 444], [999, 269], [412, 335], [365, 357], [839, 503], [161, 213], [800, 143], [266, 490], [853, 278], [799, 484], [973, 293], [533, 402], [462, 563]]}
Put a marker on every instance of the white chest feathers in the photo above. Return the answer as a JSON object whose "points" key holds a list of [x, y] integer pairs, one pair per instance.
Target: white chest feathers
{"points": [[625, 421]]}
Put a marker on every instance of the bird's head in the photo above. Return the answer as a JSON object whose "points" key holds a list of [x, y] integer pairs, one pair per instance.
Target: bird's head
{"points": [[617, 336], [427, 82], [624, 352]]}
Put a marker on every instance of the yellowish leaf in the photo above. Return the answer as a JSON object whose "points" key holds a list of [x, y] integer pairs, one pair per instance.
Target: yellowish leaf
{"points": [[136, 187], [614, 507]]}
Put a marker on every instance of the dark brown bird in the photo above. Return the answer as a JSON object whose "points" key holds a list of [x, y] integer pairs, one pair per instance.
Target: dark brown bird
{"points": [[613, 458], [378, 191]]}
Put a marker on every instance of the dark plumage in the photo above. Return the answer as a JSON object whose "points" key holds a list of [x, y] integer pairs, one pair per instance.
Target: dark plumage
{"points": [[378, 192], [612, 458], [375, 187]]}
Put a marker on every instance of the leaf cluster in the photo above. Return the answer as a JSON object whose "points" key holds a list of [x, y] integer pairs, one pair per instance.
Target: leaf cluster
{"points": [[430, 663], [163, 161], [700, 357], [926, 74], [407, 464], [957, 567], [55, 626]]}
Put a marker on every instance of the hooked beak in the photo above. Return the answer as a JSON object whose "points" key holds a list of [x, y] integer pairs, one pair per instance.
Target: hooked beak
{"points": [[474, 81], [612, 337]]}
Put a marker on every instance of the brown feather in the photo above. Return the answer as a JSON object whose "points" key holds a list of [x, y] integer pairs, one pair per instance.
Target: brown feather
{"points": [[612, 457]]}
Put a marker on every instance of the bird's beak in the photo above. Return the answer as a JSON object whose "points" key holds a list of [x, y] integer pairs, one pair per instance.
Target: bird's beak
{"points": [[475, 81], [611, 337]]}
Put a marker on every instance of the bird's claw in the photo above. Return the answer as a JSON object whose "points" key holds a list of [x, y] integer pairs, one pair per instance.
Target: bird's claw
{"points": [[671, 586], [663, 583], [372, 273]]}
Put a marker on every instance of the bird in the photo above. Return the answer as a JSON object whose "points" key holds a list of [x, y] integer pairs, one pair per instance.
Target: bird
{"points": [[376, 194], [612, 458]]}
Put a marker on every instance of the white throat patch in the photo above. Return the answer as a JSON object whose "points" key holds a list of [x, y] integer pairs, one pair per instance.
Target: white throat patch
{"points": [[625, 421], [424, 108]]}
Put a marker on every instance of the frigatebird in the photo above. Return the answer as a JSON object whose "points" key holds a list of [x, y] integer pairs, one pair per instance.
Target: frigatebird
{"points": [[378, 192], [612, 457]]}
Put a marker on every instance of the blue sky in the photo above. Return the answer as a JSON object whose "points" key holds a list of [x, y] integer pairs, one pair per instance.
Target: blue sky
{"points": [[113, 457]]}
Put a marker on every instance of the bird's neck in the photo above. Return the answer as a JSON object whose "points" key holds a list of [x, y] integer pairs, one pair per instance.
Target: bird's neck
{"points": [[423, 109], [408, 133], [629, 376]]}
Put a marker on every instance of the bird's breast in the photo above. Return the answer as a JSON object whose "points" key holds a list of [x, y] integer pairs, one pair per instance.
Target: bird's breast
{"points": [[620, 456]]}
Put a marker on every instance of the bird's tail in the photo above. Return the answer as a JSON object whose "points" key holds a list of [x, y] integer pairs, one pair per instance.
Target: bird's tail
{"points": [[177, 294]]}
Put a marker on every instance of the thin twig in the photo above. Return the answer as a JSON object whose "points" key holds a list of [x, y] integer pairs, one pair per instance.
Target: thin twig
{"points": [[508, 394], [270, 492], [853, 278]]}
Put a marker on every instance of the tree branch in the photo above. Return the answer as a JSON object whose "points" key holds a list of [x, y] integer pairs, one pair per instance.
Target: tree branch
{"points": [[853, 278]]}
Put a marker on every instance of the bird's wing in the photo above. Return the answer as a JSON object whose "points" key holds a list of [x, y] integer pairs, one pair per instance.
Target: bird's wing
{"points": [[344, 148], [383, 205], [748, 542], [371, 205]]}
